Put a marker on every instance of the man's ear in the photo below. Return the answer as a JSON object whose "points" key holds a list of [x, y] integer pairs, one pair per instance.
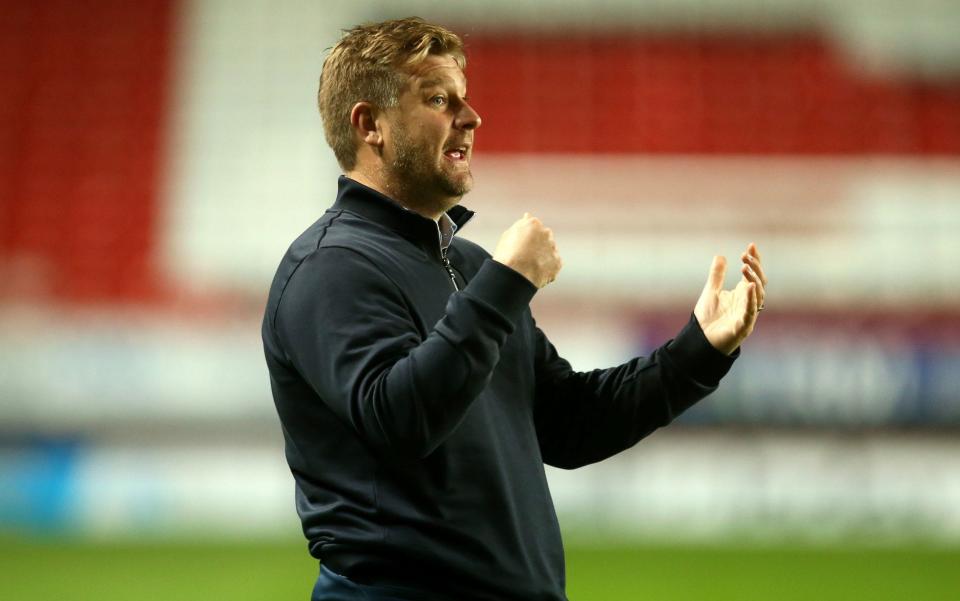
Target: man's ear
{"points": [[363, 120]]}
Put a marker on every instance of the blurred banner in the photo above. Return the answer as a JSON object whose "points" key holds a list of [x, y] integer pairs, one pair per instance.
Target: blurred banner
{"points": [[159, 156]]}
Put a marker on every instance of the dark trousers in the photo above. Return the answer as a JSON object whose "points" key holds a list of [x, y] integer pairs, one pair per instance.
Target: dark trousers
{"points": [[334, 587]]}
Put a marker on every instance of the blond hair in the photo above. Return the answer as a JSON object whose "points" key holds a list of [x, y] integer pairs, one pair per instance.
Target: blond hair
{"points": [[367, 64]]}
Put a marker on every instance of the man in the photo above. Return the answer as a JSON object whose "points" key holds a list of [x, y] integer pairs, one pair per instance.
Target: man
{"points": [[418, 399]]}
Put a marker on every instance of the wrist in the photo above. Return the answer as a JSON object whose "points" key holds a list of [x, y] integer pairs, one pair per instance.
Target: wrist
{"points": [[518, 267]]}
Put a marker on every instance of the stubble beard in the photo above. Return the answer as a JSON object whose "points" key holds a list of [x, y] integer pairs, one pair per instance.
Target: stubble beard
{"points": [[422, 183]]}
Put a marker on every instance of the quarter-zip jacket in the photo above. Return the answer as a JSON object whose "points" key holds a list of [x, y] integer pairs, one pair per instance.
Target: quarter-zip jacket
{"points": [[419, 402]]}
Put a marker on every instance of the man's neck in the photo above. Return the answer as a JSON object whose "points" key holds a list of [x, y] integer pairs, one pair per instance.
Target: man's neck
{"points": [[395, 195]]}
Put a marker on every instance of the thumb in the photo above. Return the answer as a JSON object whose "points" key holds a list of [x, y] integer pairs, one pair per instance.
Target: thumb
{"points": [[718, 270]]}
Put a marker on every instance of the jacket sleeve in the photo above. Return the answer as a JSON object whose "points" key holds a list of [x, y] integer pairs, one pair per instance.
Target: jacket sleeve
{"points": [[348, 331], [584, 417]]}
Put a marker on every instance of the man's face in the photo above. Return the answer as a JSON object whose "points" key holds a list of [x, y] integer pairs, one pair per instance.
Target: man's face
{"points": [[429, 136]]}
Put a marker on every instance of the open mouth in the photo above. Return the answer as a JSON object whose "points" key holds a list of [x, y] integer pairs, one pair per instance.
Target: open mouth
{"points": [[458, 153]]}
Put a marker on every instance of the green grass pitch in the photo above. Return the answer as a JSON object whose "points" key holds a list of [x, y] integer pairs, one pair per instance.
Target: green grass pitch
{"points": [[80, 571]]}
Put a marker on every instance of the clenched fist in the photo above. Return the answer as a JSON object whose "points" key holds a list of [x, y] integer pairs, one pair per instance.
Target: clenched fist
{"points": [[528, 248]]}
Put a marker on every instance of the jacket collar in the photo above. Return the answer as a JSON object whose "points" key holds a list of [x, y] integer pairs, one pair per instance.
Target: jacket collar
{"points": [[356, 198]]}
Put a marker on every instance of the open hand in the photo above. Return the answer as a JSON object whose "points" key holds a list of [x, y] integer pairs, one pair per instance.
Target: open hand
{"points": [[727, 317]]}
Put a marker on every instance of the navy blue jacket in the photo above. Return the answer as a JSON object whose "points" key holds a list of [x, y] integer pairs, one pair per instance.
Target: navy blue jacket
{"points": [[417, 418]]}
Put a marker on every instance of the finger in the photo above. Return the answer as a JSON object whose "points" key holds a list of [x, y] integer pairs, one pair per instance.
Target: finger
{"points": [[758, 286], [751, 276], [755, 252], [753, 307], [718, 270], [755, 263]]}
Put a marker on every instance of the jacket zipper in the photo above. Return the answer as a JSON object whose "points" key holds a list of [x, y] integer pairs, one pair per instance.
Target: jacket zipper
{"points": [[446, 264]]}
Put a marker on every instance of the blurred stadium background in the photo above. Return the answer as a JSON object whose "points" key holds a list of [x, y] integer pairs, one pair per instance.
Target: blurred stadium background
{"points": [[158, 157]]}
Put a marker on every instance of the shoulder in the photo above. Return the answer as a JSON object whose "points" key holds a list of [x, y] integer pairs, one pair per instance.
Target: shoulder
{"points": [[330, 257]]}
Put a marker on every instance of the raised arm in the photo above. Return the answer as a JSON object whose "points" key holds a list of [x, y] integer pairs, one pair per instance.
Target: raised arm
{"points": [[584, 417], [348, 331]]}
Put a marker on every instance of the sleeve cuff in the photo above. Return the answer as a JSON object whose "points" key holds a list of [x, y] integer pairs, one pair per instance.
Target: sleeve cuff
{"points": [[693, 354], [501, 288]]}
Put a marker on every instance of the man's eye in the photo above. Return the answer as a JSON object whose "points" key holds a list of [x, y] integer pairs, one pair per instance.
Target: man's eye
{"points": [[438, 100]]}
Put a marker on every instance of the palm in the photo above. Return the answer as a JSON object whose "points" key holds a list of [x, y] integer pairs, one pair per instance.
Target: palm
{"points": [[727, 317]]}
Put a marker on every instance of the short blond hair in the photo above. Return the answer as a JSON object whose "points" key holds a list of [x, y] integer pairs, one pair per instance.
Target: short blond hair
{"points": [[367, 64]]}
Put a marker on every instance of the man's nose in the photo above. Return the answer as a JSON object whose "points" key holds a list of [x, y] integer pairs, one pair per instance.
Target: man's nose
{"points": [[468, 118]]}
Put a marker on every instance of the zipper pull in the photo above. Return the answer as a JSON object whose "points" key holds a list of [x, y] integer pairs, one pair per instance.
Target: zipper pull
{"points": [[446, 264]]}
